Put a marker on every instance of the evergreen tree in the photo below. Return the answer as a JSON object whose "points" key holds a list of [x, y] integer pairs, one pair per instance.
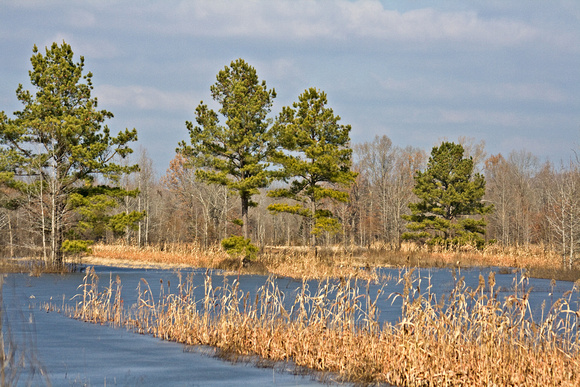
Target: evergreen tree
{"points": [[314, 156], [57, 143], [450, 194], [94, 205], [234, 153]]}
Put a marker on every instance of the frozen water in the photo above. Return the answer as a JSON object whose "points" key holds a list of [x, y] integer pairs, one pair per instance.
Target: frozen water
{"points": [[76, 353]]}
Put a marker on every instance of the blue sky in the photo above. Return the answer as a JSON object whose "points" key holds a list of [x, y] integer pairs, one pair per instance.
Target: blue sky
{"points": [[505, 72]]}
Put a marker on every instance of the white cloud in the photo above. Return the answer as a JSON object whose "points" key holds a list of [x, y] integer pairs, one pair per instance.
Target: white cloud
{"points": [[430, 25], [143, 98], [313, 20], [78, 18], [341, 19], [422, 89]]}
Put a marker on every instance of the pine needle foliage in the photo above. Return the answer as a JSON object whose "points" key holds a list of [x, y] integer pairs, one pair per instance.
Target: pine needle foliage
{"points": [[314, 156], [58, 142], [450, 208], [233, 152]]}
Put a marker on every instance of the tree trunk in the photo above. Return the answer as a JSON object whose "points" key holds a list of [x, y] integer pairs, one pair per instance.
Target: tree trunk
{"points": [[312, 223], [43, 220], [56, 232], [245, 205], [53, 227], [11, 236]]}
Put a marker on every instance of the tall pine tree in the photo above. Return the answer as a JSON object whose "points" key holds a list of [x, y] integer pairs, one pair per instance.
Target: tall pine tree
{"points": [[233, 153], [450, 208], [314, 158], [58, 141]]}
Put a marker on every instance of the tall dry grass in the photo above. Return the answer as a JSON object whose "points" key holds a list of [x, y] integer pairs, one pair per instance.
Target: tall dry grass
{"points": [[491, 255], [291, 262], [337, 261], [184, 254], [471, 337]]}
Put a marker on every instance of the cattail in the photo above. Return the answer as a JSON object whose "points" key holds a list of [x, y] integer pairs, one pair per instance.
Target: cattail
{"points": [[481, 285], [491, 280]]}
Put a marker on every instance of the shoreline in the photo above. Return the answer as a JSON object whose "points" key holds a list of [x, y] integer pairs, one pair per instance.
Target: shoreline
{"points": [[295, 269], [131, 264]]}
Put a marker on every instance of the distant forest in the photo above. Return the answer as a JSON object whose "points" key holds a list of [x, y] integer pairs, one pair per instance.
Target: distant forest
{"points": [[535, 203], [295, 180]]}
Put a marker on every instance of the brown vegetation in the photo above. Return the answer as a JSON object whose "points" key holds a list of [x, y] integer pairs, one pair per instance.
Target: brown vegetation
{"points": [[472, 337], [534, 223], [178, 254], [305, 263], [34, 267]]}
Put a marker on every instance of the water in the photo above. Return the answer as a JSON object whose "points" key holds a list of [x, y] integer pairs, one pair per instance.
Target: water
{"points": [[73, 353], [76, 353]]}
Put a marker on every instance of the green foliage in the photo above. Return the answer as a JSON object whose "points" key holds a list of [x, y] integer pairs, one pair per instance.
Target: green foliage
{"points": [[8, 161], [238, 246], [59, 140], [233, 153], [449, 196], [77, 247], [314, 156], [120, 222], [238, 222], [94, 205]]}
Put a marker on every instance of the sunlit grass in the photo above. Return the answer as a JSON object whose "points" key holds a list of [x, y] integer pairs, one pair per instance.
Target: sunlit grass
{"points": [[292, 262], [470, 337], [185, 254], [340, 261], [34, 267]]}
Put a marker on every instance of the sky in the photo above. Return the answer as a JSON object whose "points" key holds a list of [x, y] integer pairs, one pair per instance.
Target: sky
{"points": [[503, 72]]}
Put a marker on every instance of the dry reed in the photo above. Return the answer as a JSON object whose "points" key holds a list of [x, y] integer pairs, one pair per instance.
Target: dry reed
{"points": [[336, 262], [179, 254], [292, 262], [472, 337]]}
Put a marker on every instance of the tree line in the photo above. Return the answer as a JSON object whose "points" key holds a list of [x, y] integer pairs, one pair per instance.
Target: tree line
{"points": [[247, 179]]}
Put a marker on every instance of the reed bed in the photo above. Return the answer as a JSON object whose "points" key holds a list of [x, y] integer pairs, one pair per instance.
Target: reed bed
{"points": [[292, 262], [531, 256], [471, 337], [319, 264], [340, 261], [180, 254], [35, 267]]}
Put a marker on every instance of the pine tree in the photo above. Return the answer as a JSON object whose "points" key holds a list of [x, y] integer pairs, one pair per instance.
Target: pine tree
{"points": [[233, 153], [450, 207], [58, 141], [314, 157]]}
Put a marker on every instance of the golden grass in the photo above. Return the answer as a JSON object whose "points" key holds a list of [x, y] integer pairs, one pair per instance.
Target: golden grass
{"points": [[466, 256], [8, 265], [35, 267], [335, 262], [294, 263], [471, 337], [320, 264], [178, 254]]}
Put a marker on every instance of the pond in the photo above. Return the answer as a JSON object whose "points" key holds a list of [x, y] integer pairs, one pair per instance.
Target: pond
{"points": [[71, 352]]}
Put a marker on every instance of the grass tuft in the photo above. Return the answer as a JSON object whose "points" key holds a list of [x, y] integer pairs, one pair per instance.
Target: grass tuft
{"points": [[470, 337]]}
